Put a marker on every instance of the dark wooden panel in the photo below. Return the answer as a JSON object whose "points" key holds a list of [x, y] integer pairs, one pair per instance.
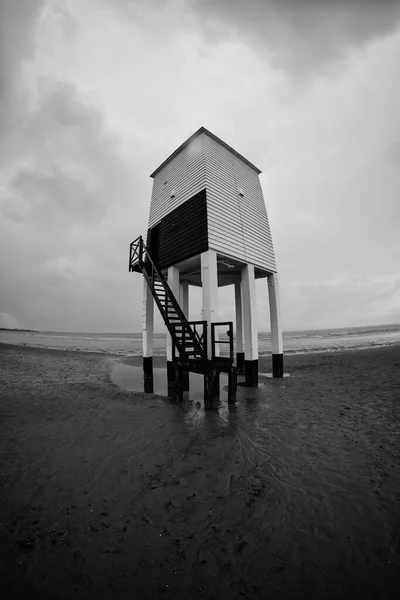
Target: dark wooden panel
{"points": [[180, 234]]}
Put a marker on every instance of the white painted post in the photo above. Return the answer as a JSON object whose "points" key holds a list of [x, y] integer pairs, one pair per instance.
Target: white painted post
{"points": [[184, 304], [239, 325], [147, 337], [173, 282], [184, 298], [250, 328], [276, 329], [209, 282]]}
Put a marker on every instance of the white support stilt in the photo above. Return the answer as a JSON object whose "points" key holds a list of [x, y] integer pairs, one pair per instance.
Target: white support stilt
{"points": [[276, 329], [209, 282], [184, 304], [239, 325], [173, 282], [250, 329], [147, 337], [184, 298]]}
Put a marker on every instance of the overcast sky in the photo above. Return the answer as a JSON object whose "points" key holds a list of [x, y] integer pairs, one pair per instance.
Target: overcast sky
{"points": [[96, 94]]}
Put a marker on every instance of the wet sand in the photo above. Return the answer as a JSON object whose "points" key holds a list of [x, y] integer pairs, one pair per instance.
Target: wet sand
{"points": [[294, 492]]}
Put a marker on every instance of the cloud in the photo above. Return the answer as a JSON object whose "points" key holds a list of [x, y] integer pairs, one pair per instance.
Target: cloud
{"points": [[97, 100], [347, 301], [47, 199], [8, 321], [62, 154], [66, 214], [17, 20], [299, 36], [67, 217]]}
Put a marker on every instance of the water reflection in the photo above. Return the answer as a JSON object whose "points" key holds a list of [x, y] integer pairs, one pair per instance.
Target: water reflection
{"points": [[246, 420], [235, 441]]}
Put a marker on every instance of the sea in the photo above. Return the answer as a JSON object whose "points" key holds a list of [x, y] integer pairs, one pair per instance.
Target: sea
{"points": [[130, 344]]}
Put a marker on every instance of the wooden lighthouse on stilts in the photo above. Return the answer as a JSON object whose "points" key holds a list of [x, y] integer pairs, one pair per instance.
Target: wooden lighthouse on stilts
{"points": [[208, 227]]}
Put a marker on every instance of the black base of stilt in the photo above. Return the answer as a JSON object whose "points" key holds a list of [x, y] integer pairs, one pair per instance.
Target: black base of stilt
{"points": [[170, 379], [251, 372], [232, 385], [277, 365], [185, 381], [211, 387], [240, 361], [170, 372], [148, 374], [174, 381]]}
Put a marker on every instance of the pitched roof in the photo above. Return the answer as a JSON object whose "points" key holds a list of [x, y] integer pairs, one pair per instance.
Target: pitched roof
{"points": [[213, 137]]}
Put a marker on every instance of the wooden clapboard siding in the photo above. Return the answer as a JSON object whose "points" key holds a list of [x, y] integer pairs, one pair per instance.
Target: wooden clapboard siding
{"points": [[256, 231], [182, 233], [237, 226], [225, 232], [185, 173]]}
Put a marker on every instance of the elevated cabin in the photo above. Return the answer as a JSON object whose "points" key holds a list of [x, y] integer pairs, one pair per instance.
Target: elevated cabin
{"points": [[206, 196]]}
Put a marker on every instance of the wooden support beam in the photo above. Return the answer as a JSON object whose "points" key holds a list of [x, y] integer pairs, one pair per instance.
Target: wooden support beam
{"points": [[173, 282], [147, 338], [184, 298], [239, 326], [276, 328], [250, 328], [211, 386], [232, 385], [209, 283], [184, 304]]}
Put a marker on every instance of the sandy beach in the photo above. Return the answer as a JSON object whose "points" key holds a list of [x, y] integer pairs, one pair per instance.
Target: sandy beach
{"points": [[293, 492]]}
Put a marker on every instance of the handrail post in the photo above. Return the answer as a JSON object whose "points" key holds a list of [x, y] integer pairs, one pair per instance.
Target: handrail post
{"points": [[141, 252]]}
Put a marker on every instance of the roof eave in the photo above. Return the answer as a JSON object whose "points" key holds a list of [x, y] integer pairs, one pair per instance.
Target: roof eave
{"points": [[213, 137]]}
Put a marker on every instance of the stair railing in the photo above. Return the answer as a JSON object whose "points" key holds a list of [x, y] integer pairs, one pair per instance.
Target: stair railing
{"points": [[201, 338], [215, 341], [136, 254], [139, 257]]}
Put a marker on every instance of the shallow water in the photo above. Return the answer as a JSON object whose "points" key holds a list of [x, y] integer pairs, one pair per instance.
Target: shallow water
{"points": [[131, 378]]}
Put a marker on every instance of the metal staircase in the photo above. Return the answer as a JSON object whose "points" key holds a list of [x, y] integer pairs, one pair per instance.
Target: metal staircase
{"points": [[189, 342]]}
